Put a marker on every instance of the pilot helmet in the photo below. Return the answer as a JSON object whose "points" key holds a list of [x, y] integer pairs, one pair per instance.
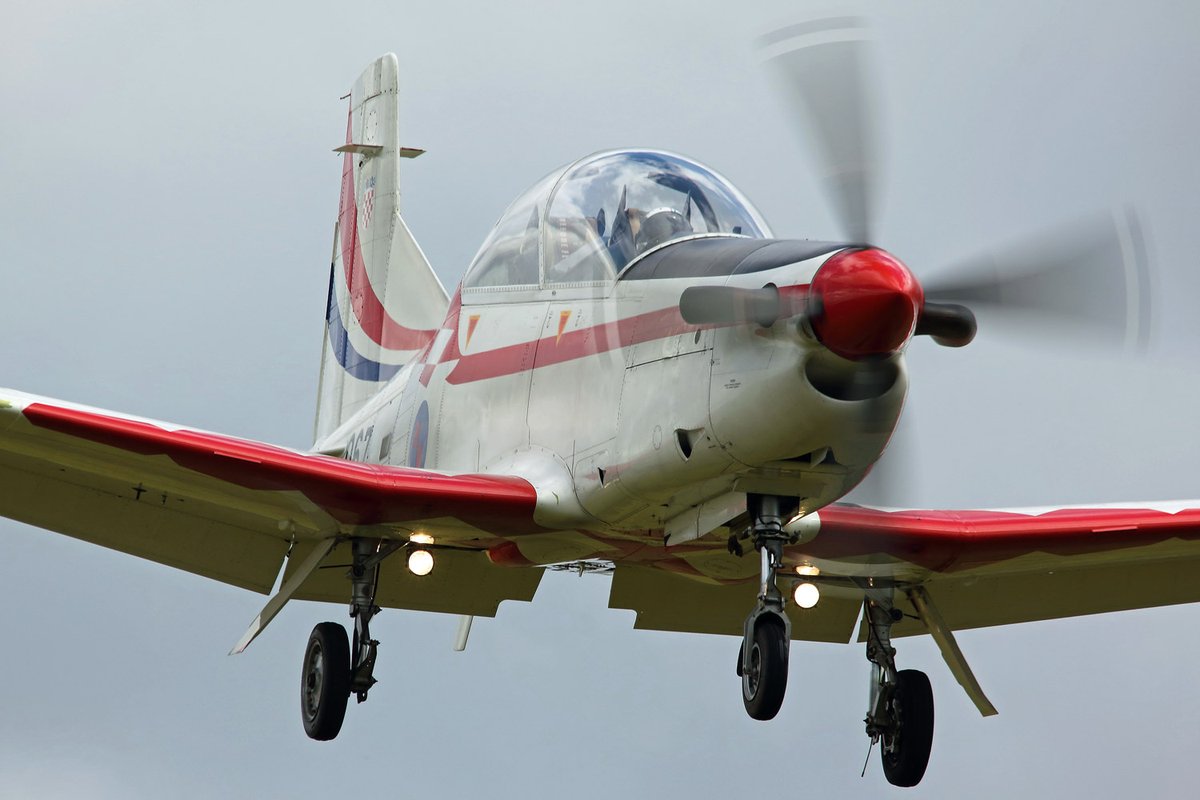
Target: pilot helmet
{"points": [[659, 226]]}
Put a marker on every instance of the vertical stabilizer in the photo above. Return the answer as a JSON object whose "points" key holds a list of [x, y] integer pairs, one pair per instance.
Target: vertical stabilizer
{"points": [[385, 302]]}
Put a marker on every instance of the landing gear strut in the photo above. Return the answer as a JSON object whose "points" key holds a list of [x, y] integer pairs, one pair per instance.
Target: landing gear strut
{"points": [[763, 663], [332, 668], [364, 580], [900, 717]]}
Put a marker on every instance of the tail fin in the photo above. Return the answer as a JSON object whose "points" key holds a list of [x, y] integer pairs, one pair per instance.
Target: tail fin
{"points": [[385, 302]]}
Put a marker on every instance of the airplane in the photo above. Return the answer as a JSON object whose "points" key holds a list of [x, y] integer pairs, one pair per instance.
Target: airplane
{"points": [[633, 378]]}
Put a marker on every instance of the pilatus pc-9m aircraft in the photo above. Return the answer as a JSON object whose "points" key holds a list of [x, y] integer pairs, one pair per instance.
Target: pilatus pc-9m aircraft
{"points": [[633, 377]]}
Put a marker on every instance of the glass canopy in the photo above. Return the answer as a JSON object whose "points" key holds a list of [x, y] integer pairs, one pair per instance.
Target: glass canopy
{"points": [[587, 221]]}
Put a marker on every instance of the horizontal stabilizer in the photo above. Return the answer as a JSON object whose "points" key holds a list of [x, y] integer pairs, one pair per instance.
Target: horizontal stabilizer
{"points": [[360, 149], [376, 149]]}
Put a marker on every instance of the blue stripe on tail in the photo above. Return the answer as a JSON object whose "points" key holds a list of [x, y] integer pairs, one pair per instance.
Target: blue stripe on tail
{"points": [[351, 360]]}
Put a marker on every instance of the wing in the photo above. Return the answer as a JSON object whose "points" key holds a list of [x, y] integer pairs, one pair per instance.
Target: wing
{"points": [[980, 568], [232, 509], [1017, 565]]}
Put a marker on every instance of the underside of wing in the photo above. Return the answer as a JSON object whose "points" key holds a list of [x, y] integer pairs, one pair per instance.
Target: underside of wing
{"points": [[233, 510], [464, 582], [665, 601]]}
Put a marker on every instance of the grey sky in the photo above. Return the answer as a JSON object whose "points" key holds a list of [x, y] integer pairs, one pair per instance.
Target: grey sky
{"points": [[168, 204]]}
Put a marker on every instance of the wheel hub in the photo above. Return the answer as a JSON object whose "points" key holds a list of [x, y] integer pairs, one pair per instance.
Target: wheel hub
{"points": [[754, 673], [313, 680]]}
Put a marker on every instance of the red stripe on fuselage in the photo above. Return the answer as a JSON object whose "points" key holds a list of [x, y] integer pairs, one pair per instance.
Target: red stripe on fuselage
{"points": [[368, 308], [515, 358]]}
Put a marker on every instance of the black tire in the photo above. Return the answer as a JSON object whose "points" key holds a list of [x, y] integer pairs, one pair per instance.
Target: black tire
{"points": [[325, 681], [764, 680], [906, 753]]}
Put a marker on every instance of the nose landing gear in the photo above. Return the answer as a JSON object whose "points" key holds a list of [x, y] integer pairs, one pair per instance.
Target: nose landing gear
{"points": [[764, 677], [763, 664]]}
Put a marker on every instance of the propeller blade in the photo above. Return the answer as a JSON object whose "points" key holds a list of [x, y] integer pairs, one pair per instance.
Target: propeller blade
{"points": [[894, 480], [728, 305], [824, 68], [950, 324], [871, 380], [1089, 278]]}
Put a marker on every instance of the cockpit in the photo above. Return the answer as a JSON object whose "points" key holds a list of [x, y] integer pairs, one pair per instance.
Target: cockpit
{"points": [[584, 223]]}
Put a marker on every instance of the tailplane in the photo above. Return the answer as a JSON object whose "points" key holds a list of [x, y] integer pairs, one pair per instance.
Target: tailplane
{"points": [[385, 303]]}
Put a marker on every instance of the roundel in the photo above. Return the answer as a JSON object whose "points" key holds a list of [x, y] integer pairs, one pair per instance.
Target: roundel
{"points": [[419, 439]]}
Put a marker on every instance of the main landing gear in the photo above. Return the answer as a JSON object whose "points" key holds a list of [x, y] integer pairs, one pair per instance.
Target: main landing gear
{"points": [[900, 717], [329, 675]]}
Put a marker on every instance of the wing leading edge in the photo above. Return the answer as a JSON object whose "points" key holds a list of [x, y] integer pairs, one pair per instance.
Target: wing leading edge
{"points": [[995, 567]]}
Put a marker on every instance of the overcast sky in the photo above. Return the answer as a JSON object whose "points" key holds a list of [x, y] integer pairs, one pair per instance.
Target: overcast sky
{"points": [[168, 203]]}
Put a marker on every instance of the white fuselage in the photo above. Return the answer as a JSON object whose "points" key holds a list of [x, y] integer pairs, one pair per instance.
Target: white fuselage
{"points": [[621, 413]]}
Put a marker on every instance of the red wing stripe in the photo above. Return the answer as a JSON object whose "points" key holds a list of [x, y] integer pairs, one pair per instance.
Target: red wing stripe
{"points": [[352, 493], [956, 540]]}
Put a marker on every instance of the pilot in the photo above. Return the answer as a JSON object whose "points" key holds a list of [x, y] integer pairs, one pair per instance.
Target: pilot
{"points": [[659, 226], [636, 231]]}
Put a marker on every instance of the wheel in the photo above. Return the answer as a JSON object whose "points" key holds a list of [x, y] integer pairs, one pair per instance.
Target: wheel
{"points": [[764, 680], [905, 753], [325, 681]]}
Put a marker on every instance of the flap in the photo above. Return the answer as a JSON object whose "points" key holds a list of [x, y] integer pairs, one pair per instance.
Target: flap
{"points": [[666, 601]]}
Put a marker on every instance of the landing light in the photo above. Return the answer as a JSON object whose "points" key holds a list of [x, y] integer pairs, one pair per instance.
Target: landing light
{"points": [[808, 570], [420, 562], [806, 595]]}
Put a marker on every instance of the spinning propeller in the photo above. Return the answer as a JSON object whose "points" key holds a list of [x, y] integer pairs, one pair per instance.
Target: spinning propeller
{"points": [[1088, 278], [863, 303], [1091, 274]]}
